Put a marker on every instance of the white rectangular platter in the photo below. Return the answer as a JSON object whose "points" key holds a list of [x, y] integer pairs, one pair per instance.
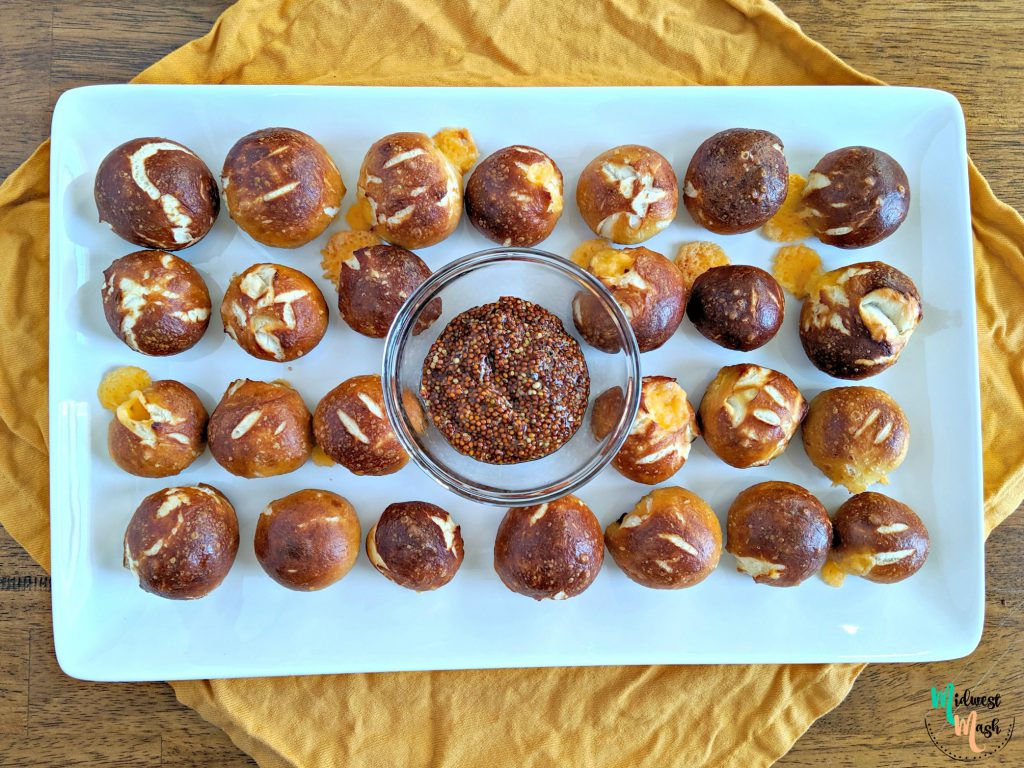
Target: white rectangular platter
{"points": [[106, 628]]}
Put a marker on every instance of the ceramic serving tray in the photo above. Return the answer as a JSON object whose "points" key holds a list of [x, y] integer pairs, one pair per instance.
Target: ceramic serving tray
{"points": [[106, 628]]}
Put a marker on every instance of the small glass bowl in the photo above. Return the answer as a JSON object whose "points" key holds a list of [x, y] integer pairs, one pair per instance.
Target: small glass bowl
{"points": [[481, 278]]}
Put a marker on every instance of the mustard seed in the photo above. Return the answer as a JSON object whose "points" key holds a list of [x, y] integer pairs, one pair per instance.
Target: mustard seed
{"points": [[505, 383]]}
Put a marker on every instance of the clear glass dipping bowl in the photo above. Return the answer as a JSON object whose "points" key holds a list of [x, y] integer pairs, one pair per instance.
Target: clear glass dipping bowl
{"points": [[481, 278]]}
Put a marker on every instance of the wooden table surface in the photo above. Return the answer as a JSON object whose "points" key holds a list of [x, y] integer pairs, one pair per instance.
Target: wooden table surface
{"points": [[972, 49]]}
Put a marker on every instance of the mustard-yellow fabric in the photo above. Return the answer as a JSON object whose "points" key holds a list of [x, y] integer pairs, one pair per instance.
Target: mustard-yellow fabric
{"points": [[612, 716]]}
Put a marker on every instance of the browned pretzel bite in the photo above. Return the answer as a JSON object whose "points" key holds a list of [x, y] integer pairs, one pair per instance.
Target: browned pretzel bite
{"points": [[375, 282], [307, 540], [260, 429], [155, 302], [877, 538], [856, 436], [412, 191], [857, 319], [549, 551], [415, 544], [647, 286], [352, 428], [670, 540], [274, 312], [749, 414], [182, 541], [659, 440], [779, 533], [736, 181], [281, 187], [158, 431], [737, 306], [855, 197], [156, 193], [628, 194], [514, 197]]}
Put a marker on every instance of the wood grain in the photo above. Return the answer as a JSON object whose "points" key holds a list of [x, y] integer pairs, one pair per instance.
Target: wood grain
{"points": [[46, 46]]}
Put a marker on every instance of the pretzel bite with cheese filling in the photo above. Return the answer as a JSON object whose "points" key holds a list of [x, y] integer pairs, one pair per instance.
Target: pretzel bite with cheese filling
{"points": [[856, 436], [659, 440], [647, 286], [514, 197], [857, 320], [877, 538], [158, 431]]}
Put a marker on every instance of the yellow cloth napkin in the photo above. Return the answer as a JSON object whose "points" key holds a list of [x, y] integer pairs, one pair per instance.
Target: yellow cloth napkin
{"points": [[620, 716]]}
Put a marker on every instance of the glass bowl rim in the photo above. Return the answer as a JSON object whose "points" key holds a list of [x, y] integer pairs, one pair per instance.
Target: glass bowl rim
{"points": [[399, 334]]}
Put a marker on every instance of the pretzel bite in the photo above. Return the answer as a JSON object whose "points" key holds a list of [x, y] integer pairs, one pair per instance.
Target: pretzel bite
{"points": [[857, 319], [514, 197], [779, 533], [307, 540], [413, 191], [158, 431], [416, 545], [281, 187], [352, 428], [749, 414], [181, 542], [737, 306], [156, 193], [260, 429], [628, 194], [670, 540], [659, 440], [877, 538], [274, 312], [549, 551], [856, 436], [647, 286], [736, 181], [374, 283], [155, 302], [855, 197]]}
